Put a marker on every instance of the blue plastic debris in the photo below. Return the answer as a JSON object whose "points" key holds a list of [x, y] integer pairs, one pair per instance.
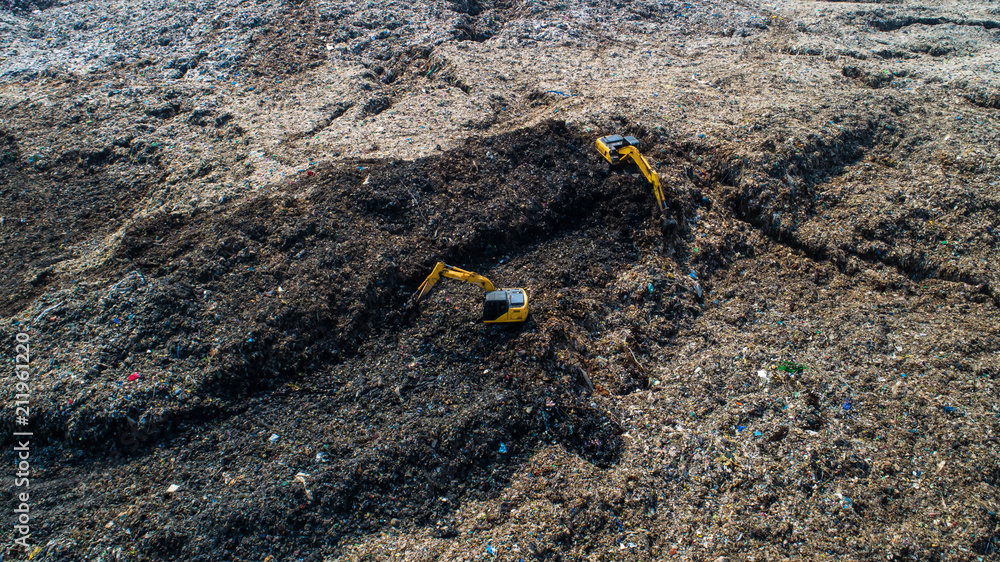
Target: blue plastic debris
{"points": [[503, 448]]}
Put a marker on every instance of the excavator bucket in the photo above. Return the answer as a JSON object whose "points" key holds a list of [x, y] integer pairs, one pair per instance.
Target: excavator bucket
{"points": [[431, 280]]}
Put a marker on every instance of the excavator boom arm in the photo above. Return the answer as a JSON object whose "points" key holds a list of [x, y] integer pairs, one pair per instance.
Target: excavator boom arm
{"points": [[501, 305], [633, 154], [616, 149], [444, 270]]}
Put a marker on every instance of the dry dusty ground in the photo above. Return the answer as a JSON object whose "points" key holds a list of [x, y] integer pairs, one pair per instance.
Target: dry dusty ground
{"points": [[236, 202]]}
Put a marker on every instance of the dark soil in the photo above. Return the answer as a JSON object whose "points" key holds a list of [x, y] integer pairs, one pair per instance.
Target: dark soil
{"points": [[292, 315], [797, 360], [293, 311]]}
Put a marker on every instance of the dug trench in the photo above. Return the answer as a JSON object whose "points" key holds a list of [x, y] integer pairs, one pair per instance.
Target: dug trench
{"points": [[294, 310], [260, 291], [786, 192], [281, 329]]}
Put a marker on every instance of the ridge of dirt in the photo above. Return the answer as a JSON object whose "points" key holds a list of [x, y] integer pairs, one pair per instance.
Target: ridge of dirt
{"points": [[556, 198], [275, 270], [214, 215]]}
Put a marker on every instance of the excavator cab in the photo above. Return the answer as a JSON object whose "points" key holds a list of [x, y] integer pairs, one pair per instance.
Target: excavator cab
{"points": [[505, 305], [501, 305], [610, 146]]}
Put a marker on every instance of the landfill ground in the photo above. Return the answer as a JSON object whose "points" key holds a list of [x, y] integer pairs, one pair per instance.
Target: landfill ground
{"points": [[214, 216]]}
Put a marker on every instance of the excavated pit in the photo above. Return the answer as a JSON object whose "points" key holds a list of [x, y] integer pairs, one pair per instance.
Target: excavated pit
{"points": [[302, 302], [282, 328]]}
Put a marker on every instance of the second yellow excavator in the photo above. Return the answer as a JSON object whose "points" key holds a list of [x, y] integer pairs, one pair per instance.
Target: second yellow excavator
{"points": [[617, 149], [501, 305]]}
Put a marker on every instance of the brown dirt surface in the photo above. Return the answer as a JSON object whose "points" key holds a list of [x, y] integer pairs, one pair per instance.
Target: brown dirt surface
{"points": [[213, 219]]}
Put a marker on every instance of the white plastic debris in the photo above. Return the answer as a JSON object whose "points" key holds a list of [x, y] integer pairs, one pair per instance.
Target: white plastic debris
{"points": [[301, 477]]}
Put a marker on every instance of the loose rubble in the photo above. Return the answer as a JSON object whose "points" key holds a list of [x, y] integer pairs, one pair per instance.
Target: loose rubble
{"points": [[213, 217]]}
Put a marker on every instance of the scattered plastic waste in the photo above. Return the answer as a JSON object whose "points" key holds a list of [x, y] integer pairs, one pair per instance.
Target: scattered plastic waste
{"points": [[301, 478], [791, 367], [202, 325]]}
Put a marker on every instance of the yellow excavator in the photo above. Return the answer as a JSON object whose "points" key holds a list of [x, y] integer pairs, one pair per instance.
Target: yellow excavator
{"points": [[500, 306], [617, 149]]}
